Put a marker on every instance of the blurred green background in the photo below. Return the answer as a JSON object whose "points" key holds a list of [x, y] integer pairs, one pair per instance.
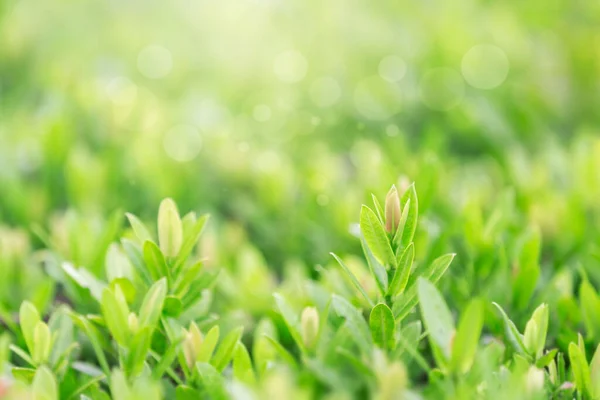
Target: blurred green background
{"points": [[280, 117]]}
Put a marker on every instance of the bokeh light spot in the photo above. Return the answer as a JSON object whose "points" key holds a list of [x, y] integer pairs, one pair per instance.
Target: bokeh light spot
{"points": [[392, 68], [442, 88], [376, 98], [121, 91], [290, 66], [182, 142], [154, 61], [325, 92], [485, 66]]}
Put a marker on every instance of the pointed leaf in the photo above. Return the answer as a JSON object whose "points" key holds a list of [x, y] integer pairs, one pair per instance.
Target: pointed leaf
{"points": [[152, 306], [224, 353], [402, 273], [436, 316], [376, 238], [467, 336]]}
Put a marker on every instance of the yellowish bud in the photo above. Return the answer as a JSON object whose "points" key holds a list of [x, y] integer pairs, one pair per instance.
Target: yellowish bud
{"points": [[309, 324]]}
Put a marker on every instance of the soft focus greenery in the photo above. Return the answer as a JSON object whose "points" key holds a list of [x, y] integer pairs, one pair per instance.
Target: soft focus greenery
{"points": [[280, 119]]}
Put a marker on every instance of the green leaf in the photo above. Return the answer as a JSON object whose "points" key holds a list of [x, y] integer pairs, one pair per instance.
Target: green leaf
{"points": [[24, 375], [155, 261], [167, 359], [284, 354], [190, 241], [242, 365], [378, 271], [173, 306], [226, 347], [185, 276], [358, 327], [378, 208], [28, 318], [465, 342], [529, 270], [290, 318], [402, 273], [595, 374], [138, 351], [376, 238], [546, 359], [410, 226], [581, 370], [383, 326], [187, 393], [433, 272], [212, 382], [353, 279], [85, 279], [209, 344], [118, 386], [590, 308], [170, 228], [42, 342], [44, 384], [436, 316], [512, 333], [94, 339], [115, 317], [21, 353], [117, 265], [62, 326], [134, 254], [140, 230], [152, 305]]}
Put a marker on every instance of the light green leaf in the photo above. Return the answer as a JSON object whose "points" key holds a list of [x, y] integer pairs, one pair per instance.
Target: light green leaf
{"points": [[152, 305], [226, 347], [42, 342], [138, 351], [358, 327], [590, 308], [378, 271], [467, 336], [115, 317], [410, 226], [155, 261], [383, 326], [376, 238], [242, 365], [581, 370], [402, 273], [212, 382], [44, 385], [378, 208], [284, 354], [595, 374], [140, 230], [209, 344], [291, 319], [190, 241], [118, 386], [28, 318], [436, 316], [353, 279], [512, 333], [529, 270]]}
